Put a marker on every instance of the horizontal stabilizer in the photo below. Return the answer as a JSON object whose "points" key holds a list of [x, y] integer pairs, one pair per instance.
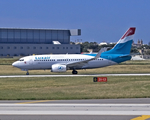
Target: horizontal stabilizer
{"points": [[129, 55], [124, 55]]}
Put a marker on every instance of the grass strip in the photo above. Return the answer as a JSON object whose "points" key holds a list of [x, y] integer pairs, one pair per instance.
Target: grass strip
{"points": [[64, 88]]}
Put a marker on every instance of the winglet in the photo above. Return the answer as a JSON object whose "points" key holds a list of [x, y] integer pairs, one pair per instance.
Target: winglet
{"points": [[99, 53]]}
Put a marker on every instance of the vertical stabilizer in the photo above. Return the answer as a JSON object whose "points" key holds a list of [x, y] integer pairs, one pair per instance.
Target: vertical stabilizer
{"points": [[123, 46]]}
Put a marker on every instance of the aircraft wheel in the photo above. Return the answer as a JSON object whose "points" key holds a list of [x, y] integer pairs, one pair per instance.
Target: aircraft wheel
{"points": [[27, 73], [74, 72]]}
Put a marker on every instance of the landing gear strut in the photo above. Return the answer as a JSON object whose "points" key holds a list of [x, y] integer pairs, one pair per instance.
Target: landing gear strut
{"points": [[27, 73], [74, 72]]}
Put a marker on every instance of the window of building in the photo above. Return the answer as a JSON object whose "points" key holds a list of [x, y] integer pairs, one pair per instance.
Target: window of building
{"points": [[29, 36], [57, 47], [46, 47], [36, 36], [70, 47], [17, 35], [66, 47], [21, 47], [34, 47], [15, 47], [8, 47], [48, 36], [54, 35], [63, 47], [42, 36], [10, 35], [23, 36], [28, 47], [1, 47], [53, 47], [4, 35], [40, 47]]}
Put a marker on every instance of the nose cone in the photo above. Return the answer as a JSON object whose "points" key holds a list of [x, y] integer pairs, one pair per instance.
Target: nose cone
{"points": [[15, 64]]}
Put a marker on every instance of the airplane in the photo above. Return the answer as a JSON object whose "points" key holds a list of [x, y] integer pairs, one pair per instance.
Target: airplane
{"points": [[63, 62]]}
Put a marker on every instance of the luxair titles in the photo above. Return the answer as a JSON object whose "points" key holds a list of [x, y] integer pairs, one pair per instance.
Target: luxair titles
{"points": [[42, 58]]}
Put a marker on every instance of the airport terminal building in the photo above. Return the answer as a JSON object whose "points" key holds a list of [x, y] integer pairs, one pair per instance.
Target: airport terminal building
{"points": [[23, 42]]}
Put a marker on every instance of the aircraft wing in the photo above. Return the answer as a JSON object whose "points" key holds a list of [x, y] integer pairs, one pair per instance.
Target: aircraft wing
{"points": [[83, 63], [78, 64]]}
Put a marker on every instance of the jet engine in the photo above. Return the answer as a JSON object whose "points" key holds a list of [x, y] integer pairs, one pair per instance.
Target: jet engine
{"points": [[58, 68]]}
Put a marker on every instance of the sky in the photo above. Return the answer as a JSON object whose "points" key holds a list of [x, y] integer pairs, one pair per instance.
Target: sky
{"points": [[99, 20]]}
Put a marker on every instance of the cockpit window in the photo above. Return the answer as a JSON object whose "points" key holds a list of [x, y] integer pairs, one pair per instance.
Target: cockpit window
{"points": [[21, 59]]}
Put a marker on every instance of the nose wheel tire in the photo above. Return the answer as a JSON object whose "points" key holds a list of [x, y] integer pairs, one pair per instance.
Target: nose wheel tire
{"points": [[74, 72], [27, 73]]}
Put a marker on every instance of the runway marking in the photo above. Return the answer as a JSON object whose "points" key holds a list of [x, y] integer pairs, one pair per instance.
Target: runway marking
{"points": [[13, 76], [77, 109], [143, 117], [34, 102], [72, 105]]}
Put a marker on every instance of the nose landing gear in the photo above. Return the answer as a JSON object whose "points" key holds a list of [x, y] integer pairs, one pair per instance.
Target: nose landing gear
{"points": [[27, 73]]}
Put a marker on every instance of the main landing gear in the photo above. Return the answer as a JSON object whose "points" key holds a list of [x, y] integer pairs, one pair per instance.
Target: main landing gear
{"points": [[74, 72], [27, 73]]}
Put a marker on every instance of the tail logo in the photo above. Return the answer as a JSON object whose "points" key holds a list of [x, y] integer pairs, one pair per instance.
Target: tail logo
{"points": [[129, 32]]}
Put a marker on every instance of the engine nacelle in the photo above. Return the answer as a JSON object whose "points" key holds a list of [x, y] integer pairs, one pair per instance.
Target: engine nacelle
{"points": [[58, 68]]}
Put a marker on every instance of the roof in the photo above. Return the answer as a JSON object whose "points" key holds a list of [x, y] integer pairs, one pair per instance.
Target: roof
{"points": [[34, 29]]}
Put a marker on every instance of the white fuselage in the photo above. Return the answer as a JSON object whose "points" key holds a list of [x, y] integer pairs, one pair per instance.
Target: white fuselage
{"points": [[46, 61]]}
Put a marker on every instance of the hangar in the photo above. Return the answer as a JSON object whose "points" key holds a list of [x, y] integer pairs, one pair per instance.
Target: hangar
{"points": [[23, 42]]}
